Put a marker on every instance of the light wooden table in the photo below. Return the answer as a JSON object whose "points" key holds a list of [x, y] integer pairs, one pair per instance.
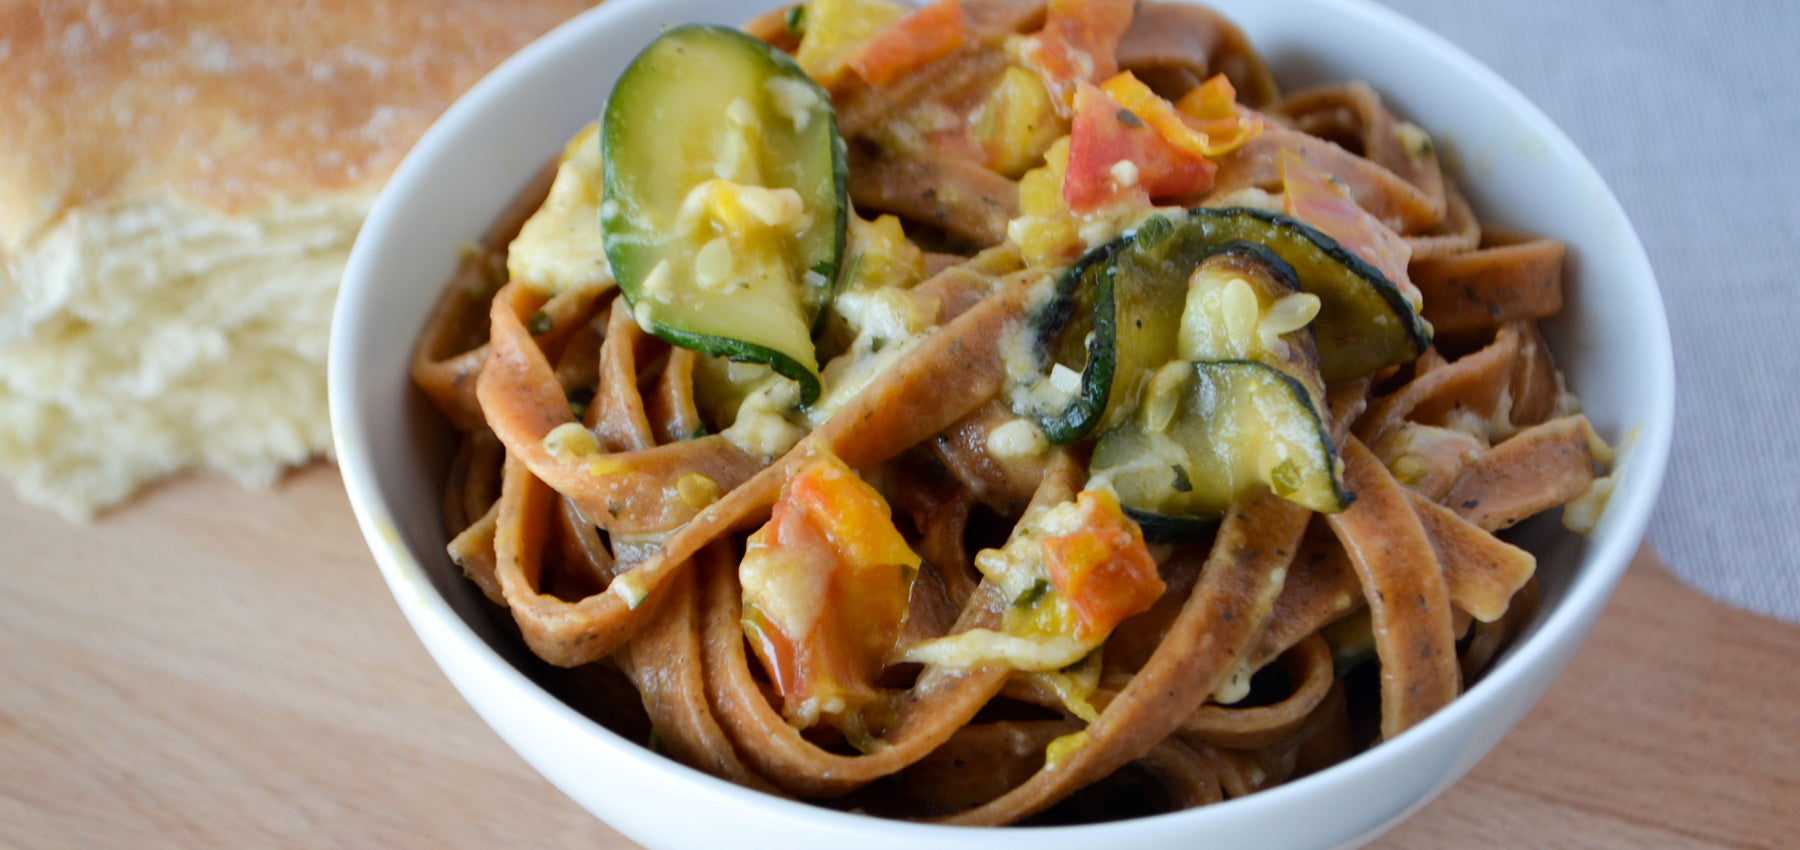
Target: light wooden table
{"points": [[214, 668]]}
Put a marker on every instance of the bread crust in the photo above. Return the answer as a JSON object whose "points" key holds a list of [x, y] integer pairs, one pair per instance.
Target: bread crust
{"points": [[225, 102]]}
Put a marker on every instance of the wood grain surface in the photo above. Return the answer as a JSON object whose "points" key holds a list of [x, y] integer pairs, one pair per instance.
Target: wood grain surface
{"points": [[214, 668]]}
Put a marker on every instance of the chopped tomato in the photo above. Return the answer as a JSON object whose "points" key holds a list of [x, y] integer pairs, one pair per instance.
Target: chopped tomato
{"points": [[1106, 134], [836, 30], [851, 514], [1211, 109], [917, 39], [826, 588], [1320, 200], [1079, 43], [1102, 569]]}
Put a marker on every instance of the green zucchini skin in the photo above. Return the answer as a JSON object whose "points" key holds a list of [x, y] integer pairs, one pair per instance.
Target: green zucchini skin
{"points": [[666, 129], [1083, 302], [1162, 528], [1137, 283]]}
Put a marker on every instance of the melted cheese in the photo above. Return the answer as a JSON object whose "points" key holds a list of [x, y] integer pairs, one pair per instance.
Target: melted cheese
{"points": [[1582, 514], [559, 247], [788, 587], [794, 100], [762, 427], [977, 647], [1019, 438], [569, 441]]}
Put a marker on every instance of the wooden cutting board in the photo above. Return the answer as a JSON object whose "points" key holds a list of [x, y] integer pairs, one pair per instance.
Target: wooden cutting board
{"points": [[214, 668]]}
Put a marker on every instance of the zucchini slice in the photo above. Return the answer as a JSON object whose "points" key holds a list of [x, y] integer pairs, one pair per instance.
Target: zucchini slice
{"points": [[1364, 324], [1116, 312], [1243, 303], [724, 204], [1235, 424], [1080, 326]]}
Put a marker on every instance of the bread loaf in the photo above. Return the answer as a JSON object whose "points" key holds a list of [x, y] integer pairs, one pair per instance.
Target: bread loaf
{"points": [[180, 184]]}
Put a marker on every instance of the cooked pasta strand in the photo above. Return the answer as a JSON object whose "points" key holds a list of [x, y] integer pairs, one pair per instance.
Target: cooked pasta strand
{"points": [[1384, 194], [1308, 666], [1465, 392], [664, 662], [1539, 468], [1406, 591], [1482, 289], [1176, 46], [1482, 571], [450, 351], [1216, 628], [1352, 112]]}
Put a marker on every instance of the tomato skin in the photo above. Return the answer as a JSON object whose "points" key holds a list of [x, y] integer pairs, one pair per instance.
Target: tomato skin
{"points": [[1103, 569], [827, 584], [1320, 200], [1205, 123], [850, 513], [1105, 134], [1079, 43], [916, 40], [796, 561], [1212, 110]]}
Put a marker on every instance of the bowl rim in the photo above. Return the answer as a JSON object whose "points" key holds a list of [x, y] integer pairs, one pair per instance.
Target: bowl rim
{"points": [[1558, 631]]}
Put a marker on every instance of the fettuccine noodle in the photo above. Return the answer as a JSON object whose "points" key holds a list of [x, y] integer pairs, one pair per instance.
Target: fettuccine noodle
{"points": [[906, 598]]}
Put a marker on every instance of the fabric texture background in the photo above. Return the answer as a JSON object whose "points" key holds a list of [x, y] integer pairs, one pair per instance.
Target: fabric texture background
{"points": [[1689, 110]]}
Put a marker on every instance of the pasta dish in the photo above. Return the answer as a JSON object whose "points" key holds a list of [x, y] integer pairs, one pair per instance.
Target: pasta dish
{"points": [[1000, 411]]}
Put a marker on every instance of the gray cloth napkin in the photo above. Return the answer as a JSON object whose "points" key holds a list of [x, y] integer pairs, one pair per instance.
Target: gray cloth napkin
{"points": [[1691, 111]]}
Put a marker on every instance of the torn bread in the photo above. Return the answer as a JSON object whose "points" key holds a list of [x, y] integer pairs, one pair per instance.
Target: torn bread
{"points": [[180, 184]]}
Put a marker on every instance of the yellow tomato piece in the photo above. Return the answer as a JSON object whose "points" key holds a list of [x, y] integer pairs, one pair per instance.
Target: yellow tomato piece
{"points": [[1174, 126], [1017, 122], [836, 31], [1047, 233], [884, 256], [852, 514], [1212, 108]]}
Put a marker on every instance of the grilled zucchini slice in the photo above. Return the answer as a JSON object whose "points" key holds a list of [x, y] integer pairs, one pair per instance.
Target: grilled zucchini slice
{"points": [[724, 205], [1114, 316], [1235, 424]]}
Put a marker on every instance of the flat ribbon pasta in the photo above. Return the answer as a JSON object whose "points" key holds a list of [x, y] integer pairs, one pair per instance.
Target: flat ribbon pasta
{"points": [[603, 494]]}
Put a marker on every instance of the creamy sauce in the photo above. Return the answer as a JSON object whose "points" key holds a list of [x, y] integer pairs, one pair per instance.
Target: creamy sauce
{"points": [[762, 427], [1017, 571], [559, 247], [1582, 514], [1019, 438]]}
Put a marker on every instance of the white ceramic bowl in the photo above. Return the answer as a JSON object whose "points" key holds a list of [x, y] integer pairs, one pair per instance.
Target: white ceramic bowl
{"points": [[1518, 169]]}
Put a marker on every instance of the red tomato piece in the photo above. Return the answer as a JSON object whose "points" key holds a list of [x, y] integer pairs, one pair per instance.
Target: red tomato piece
{"points": [[1079, 43], [1102, 569], [917, 39], [1105, 134]]}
